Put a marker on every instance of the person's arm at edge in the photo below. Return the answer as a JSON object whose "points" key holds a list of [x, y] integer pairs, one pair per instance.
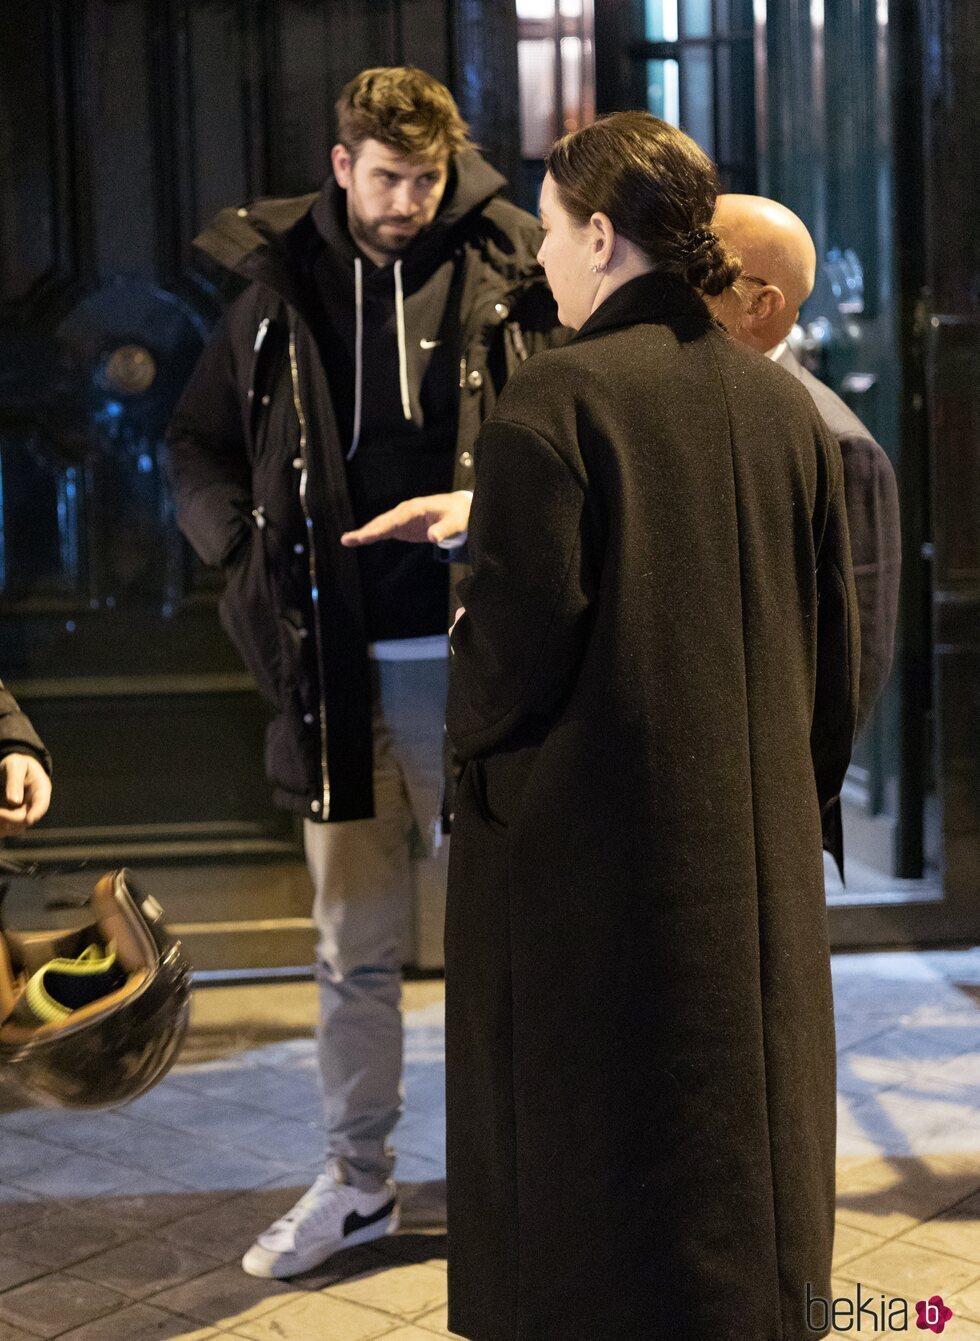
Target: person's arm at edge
{"points": [[17, 735], [25, 769]]}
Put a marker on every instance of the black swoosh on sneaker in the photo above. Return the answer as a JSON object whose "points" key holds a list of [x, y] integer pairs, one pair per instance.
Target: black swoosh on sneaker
{"points": [[356, 1221]]}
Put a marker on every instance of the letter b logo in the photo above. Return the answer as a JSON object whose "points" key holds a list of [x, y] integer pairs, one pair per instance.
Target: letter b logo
{"points": [[933, 1314], [817, 1311]]}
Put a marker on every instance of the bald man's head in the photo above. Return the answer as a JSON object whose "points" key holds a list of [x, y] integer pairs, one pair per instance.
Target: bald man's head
{"points": [[779, 268]]}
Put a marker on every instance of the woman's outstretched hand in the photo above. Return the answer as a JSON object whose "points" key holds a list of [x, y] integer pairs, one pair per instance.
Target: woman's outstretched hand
{"points": [[431, 518]]}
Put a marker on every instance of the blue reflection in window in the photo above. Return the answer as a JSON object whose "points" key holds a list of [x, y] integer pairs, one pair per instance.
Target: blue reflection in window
{"points": [[697, 18], [661, 21], [698, 113], [663, 90]]}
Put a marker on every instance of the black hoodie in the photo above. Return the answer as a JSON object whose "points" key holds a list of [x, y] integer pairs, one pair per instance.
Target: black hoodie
{"points": [[395, 386]]}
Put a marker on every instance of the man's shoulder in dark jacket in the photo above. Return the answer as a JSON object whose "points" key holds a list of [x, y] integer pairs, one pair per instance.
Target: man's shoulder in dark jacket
{"points": [[874, 523], [863, 455], [836, 413]]}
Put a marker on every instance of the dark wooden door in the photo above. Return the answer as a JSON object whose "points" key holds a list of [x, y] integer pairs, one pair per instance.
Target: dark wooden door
{"points": [[858, 101]]}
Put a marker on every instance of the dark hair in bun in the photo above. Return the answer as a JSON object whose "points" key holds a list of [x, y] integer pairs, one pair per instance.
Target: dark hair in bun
{"points": [[710, 267], [656, 185]]}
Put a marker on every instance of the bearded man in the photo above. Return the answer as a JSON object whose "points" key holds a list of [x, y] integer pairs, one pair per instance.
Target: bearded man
{"points": [[379, 321]]}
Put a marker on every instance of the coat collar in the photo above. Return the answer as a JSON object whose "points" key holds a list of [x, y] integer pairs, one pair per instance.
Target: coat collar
{"points": [[788, 360], [650, 298]]}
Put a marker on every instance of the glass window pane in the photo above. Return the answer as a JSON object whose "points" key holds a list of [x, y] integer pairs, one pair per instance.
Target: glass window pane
{"points": [[571, 9], [661, 20], [662, 91], [571, 82], [697, 102], [536, 81], [697, 18], [535, 9]]}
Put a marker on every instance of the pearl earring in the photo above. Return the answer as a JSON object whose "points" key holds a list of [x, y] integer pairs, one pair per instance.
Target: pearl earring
{"points": [[598, 269]]}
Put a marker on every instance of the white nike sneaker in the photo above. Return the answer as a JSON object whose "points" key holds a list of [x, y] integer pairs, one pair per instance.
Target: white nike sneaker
{"points": [[331, 1216]]}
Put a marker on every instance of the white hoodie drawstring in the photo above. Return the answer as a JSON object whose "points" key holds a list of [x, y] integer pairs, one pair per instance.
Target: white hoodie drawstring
{"points": [[359, 349], [358, 352], [402, 354]]}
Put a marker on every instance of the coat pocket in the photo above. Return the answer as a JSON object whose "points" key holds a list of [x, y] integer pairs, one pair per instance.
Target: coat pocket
{"points": [[479, 790], [249, 617], [498, 782], [472, 793], [293, 634]]}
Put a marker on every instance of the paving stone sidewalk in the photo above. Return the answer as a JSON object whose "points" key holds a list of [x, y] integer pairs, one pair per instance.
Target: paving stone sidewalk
{"points": [[128, 1225]]}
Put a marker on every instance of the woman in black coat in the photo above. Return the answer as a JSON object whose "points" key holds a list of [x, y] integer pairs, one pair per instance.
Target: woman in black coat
{"points": [[654, 690]]}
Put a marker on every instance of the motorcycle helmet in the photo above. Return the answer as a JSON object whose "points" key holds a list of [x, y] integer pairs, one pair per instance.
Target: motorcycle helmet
{"points": [[93, 1017]]}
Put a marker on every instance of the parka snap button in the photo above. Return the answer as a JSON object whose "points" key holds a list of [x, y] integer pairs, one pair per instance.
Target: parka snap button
{"points": [[297, 463], [308, 718], [297, 549], [502, 310], [475, 379], [304, 633], [466, 460], [242, 213], [315, 807], [266, 400]]}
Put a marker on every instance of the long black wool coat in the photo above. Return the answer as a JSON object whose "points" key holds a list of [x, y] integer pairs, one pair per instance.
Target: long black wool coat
{"points": [[654, 688]]}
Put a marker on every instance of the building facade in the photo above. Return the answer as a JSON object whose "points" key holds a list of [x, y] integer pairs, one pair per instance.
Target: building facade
{"points": [[128, 124]]}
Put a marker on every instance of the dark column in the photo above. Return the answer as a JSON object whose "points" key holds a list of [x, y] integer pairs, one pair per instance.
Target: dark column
{"points": [[913, 667], [485, 78], [950, 40], [793, 153]]}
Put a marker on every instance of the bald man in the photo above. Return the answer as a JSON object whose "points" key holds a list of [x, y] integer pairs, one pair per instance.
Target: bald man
{"points": [[779, 264]]}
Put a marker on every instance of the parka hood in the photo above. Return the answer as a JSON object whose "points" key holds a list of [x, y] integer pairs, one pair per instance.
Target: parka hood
{"points": [[250, 240], [264, 241]]}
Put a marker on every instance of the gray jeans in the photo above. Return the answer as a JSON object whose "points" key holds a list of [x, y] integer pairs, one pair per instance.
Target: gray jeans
{"points": [[368, 876]]}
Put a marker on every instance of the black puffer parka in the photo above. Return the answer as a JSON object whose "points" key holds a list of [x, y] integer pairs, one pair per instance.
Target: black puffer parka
{"points": [[258, 467]]}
